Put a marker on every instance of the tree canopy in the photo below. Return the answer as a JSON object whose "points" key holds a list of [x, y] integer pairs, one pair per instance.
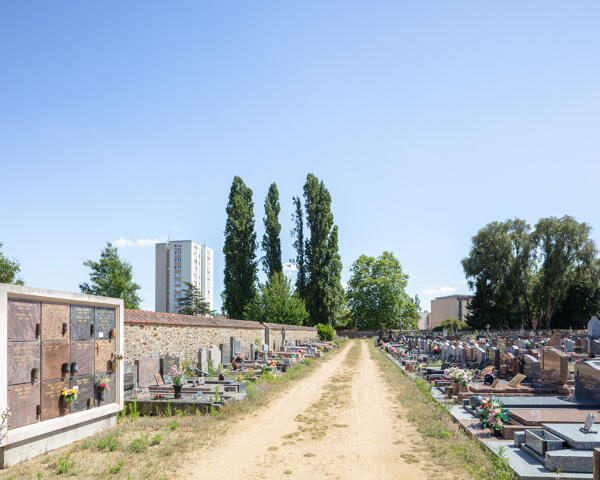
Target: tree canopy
{"points": [[112, 277], [377, 294], [545, 276], [271, 242], [9, 270], [239, 250], [192, 302], [277, 303]]}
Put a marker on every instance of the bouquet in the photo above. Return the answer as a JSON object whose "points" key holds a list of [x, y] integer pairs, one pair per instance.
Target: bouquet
{"points": [[101, 384], [435, 350], [177, 374], [492, 414], [69, 394], [459, 375]]}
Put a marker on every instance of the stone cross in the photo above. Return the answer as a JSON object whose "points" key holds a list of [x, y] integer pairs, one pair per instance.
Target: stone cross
{"points": [[488, 329], [589, 422]]}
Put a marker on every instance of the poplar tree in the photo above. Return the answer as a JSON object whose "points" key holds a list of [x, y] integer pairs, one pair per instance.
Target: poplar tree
{"points": [[239, 250], [271, 242], [298, 234]]}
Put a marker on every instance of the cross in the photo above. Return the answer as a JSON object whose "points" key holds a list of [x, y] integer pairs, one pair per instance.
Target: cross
{"points": [[488, 329]]}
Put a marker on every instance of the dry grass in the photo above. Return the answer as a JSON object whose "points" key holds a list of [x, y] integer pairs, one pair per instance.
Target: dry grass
{"points": [[442, 439], [152, 447]]}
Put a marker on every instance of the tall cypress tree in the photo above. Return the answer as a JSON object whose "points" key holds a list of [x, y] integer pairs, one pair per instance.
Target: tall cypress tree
{"points": [[298, 234], [324, 293], [271, 242], [239, 250]]}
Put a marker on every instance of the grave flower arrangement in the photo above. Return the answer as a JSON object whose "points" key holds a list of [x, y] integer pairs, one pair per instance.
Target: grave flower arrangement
{"points": [[177, 374], [271, 365], [459, 375], [158, 396], [101, 384], [69, 394], [492, 414], [436, 350], [393, 350]]}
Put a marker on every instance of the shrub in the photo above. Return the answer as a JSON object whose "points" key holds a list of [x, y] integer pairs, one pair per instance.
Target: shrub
{"points": [[137, 445], [109, 442], [325, 332]]}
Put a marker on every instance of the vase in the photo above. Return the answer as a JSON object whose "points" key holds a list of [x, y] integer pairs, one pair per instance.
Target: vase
{"points": [[497, 433], [177, 389], [101, 394], [455, 387]]}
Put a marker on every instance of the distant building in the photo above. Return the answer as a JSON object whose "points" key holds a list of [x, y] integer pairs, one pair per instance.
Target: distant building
{"points": [[452, 306], [423, 322], [178, 262]]}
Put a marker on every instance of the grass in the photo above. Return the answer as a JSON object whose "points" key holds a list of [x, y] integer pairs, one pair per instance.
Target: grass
{"points": [[442, 438], [116, 453]]}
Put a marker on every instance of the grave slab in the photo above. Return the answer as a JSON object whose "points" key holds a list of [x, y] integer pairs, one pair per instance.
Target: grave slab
{"points": [[23, 362], [23, 321], [56, 321], [23, 402]]}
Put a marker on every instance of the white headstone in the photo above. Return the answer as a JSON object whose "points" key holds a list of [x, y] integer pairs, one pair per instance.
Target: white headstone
{"points": [[594, 327], [214, 355]]}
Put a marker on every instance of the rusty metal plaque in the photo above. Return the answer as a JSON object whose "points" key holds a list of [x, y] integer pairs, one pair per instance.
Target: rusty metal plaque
{"points": [[23, 402], [103, 355], [52, 403], [82, 354], [56, 320], [23, 362], [85, 398], [23, 321], [104, 323], [109, 395], [55, 357], [82, 323]]}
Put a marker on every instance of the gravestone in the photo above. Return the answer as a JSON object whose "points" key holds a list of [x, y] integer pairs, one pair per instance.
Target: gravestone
{"points": [[225, 353], [554, 341], [555, 365], [23, 402], [582, 345], [56, 358], [166, 363], [530, 368], [594, 328], [203, 361], [85, 397], [236, 347], [82, 353], [23, 321], [522, 344], [265, 348], [214, 355], [253, 352], [23, 362], [147, 367], [594, 347], [569, 345], [104, 323], [56, 321], [129, 376], [82, 323], [587, 380], [110, 392]]}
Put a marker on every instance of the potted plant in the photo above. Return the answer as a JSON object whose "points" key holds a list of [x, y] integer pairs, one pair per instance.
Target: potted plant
{"points": [[116, 356], [101, 387], [69, 395], [177, 374]]}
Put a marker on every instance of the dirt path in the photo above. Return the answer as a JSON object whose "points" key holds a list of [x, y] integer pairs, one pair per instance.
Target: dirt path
{"points": [[338, 423]]}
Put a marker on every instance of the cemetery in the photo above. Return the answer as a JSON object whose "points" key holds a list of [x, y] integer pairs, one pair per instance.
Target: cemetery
{"points": [[530, 397]]}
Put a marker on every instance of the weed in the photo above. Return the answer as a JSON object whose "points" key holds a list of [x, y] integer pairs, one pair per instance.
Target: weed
{"points": [[138, 445], [133, 410], [173, 424], [64, 465], [110, 442], [156, 439], [115, 468]]}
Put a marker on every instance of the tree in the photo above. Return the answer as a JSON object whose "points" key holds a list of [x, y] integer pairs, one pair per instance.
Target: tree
{"points": [[277, 303], [112, 277], [239, 250], [567, 255], [192, 302], [298, 234], [271, 242], [377, 294], [9, 270], [454, 325], [323, 291]]}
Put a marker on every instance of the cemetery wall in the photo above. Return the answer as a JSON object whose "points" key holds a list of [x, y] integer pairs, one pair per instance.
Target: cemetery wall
{"points": [[292, 333]]}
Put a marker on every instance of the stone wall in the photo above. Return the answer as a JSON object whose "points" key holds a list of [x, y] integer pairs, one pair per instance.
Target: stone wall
{"points": [[292, 333], [183, 341]]}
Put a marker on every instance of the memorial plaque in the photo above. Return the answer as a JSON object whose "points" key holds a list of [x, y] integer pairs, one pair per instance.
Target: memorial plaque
{"points": [[56, 321], [85, 398], [128, 381], [23, 362], [54, 357], [104, 323], [225, 353], [23, 401], [23, 321], [166, 363], [146, 368], [82, 353], [52, 403], [103, 352], [82, 323], [110, 390]]}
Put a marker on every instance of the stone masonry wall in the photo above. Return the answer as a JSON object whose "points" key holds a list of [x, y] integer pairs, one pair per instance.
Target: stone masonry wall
{"points": [[183, 341]]}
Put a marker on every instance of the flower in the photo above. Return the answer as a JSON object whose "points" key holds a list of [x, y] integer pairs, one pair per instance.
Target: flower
{"points": [[492, 414], [177, 374]]}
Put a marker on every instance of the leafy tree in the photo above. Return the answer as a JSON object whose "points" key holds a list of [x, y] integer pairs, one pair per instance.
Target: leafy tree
{"points": [[192, 302], [271, 242], [239, 250], [326, 332], [567, 254], [112, 277], [277, 303], [454, 325], [298, 233], [377, 294], [9, 270], [323, 292]]}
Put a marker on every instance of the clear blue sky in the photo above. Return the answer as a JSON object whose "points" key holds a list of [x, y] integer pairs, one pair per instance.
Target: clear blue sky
{"points": [[426, 120]]}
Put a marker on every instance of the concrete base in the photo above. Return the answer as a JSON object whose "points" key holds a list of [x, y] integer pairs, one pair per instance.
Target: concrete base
{"points": [[20, 451]]}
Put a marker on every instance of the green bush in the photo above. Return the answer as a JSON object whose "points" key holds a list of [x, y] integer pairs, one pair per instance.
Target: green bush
{"points": [[326, 333]]}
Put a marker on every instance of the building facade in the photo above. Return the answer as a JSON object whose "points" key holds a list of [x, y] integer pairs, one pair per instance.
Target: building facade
{"points": [[452, 306], [178, 262]]}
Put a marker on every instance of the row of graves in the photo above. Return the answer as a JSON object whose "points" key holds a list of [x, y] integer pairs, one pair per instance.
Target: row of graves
{"points": [[220, 375], [532, 396]]}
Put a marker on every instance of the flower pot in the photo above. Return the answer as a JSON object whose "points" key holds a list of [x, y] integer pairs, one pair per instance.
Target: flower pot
{"points": [[497, 433], [463, 388], [177, 389], [101, 394], [455, 388]]}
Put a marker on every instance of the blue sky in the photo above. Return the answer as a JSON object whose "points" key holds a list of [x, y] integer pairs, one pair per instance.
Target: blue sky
{"points": [[426, 120]]}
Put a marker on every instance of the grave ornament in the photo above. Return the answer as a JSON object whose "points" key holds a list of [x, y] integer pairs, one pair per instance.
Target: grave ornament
{"points": [[589, 422]]}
